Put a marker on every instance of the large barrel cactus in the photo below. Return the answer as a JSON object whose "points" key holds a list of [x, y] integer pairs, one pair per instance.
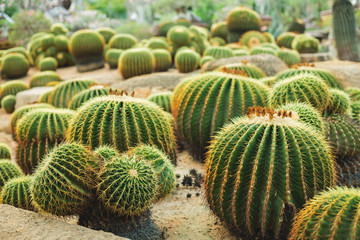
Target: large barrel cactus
{"points": [[306, 44], [8, 103], [157, 43], [261, 169], [164, 27], [83, 96], [122, 41], [242, 19], [339, 103], [285, 39], [219, 29], [112, 57], [14, 65], [16, 192], [136, 61], [107, 33], [290, 57]]}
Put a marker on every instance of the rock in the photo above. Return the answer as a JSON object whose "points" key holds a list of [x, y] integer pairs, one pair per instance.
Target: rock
{"points": [[30, 96], [315, 57], [270, 64], [18, 224]]}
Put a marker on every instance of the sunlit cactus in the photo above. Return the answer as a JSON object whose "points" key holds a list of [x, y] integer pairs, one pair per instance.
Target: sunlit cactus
{"points": [[12, 88], [8, 170], [339, 103], [16, 192], [218, 52], [242, 19], [187, 60], [122, 41]]}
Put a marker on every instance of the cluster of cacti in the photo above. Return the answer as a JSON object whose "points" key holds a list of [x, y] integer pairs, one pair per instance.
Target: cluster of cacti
{"points": [[107, 33], [219, 29], [252, 39], [218, 52], [122, 122], [187, 60], [8, 170], [8, 103], [203, 104], [285, 39], [42, 78], [5, 151], [250, 70], [262, 50], [162, 99], [305, 44], [330, 215], [16, 192], [163, 60], [290, 57], [48, 64], [122, 41], [79, 99], [12, 88], [339, 103], [136, 61], [112, 57], [297, 26], [14, 65], [179, 35], [261, 169]]}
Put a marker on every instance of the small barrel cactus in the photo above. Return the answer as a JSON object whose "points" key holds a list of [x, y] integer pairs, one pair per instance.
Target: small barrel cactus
{"points": [[22, 51], [112, 57], [5, 152], [252, 39], [206, 59], [249, 69], [234, 37], [107, 33], [48, 64], [218, 52], [42, 78], [122, 122], [240, 52], [261, 169], [270, 45], [136, 61], [339, 103], [164, 27], [269, 37], [61, 59], [262, 50], [14, 65], [12, 88], [303, 87], [51, 51], [187, 60], [305, 44], [179, 35], [85, 95], [217, 41], [290, 57], [8, 170], [16, 192], [219, 29], [162, 99], [8, 103], [58, 29], [242, 19], [297, 26], [65, 180], [333, 214], [355, 111], [106, 153], [285, 39], [354, 93], [157, 43], [122, 41], [61, 43], [162, 59]]}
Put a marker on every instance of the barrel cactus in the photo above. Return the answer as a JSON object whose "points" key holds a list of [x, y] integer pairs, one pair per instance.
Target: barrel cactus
{"points": [[269, 37], [85, 95], [240, 52], [162, 99], [14, 65], [203, 104], [5, 152], [106, 153], [179, 35], [285, 39], [250, 70], [65, 180], [107, 33], [61, 43], [333, 214], [261, 169], [12, 88], [252, 39], [234, 37], [136, 61], [217, 41], [8, 103], [122, 122], [51, 51], [162, 59], [305, 44], [262, 50], [219, 29], [339, 103], [48, 64], [58, 29], [16, 192], [112, 57], [42, 78], [271, 46], [164, 27], [218, 52], [187, 61], [61, 59], [290, 57], [157, 43], [206, 59], [122, 41], [354, 93], [242, 19], [8, 170], [301, 88]]}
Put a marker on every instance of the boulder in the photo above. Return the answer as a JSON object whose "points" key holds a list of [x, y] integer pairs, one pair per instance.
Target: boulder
{"points": [[30, 96]]}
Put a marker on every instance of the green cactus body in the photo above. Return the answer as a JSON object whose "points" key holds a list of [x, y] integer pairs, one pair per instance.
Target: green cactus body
{"points": [[40, 57], [164, 28], [5, 151], [136, 61], [325, 75], [343, 135], [237, 46], [187, 61], [162, 59], [203, 44], [14, 65], [85, 95], [70, 60], [305, 44], [123, 41], [261, 169], [112, 57], [16, 192], [251, 70], [206, 59], [122, 122], [252, 39], [242, 19], [354, 93], [156, 43], [8, 170], [355, 111], [304, 87], [290, 57], [107, 33], [217, 41], [218, 52], [65, 180], [297, 26], [194, 46], [51, 51], [22, 51], [37, 36], [46, 41], [339, 103], [162, 99], [42, 78], [61, 43], [219, 29], [179, 35], [61, 59], [285, 39], [8, 103], [262, 50], [12, 88], [183, 22], [205, 103], [269, 37], [240, 52], [333, 214], [271, 46], [58, 29], [268, 81], [48, 64], [106, 153], [234, 37], [62, 94], [172, 49], [161, 165], [348, 173]]}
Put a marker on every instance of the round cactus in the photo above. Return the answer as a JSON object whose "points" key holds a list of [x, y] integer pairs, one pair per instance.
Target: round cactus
{"points": [[8, 103], [250, 70], [51, 51], [161, 165], [14, 65], [62, 94], [58, 29], [8, 170], [64, 182], [271, 46], [46, 41], [162, 99], [61, 43], [107, 33], [252, 39], [242, 19], [269, 37], [179, 35], [48, 64], [240, 52], [127, 186], [16, 192], [44, 98], [112, 57], [305, 44], [187, 61], [333, 214], [290, 57], [22, 51], [285, 39], [61, 59], [261, 169], [5, 151], [204, 104], [12, 88], [162, 59], [122, 122], [122, 41], [217, 41], [156, 43], [354, 93], [268, 81], [85, 95], [42, 78], [339, 103], [219, 29], [262, 50], [164, 28], [218, 52], [135, 62], [106, 153], [303, 87], [206, 59], [355, 111]]}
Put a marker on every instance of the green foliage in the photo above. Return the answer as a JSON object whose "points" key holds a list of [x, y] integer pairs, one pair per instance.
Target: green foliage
{"points": [[290, 57], [14, 65], [8, 103], [122, 41], [16, 192], [42, 78], [262, 50], [136, 61], [285, 39], [112, 57], [12, 88], [251, 70], [242, 19], [261, 169], [187, 60], [48, 64], [206, 59], [64, 182], [79, 99], [8, 170], [107, 33], [162, 59], [162, 99], [218, 52], [5, 151], [252, 39], [178, 35], [339, 103], [305, 44]]}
